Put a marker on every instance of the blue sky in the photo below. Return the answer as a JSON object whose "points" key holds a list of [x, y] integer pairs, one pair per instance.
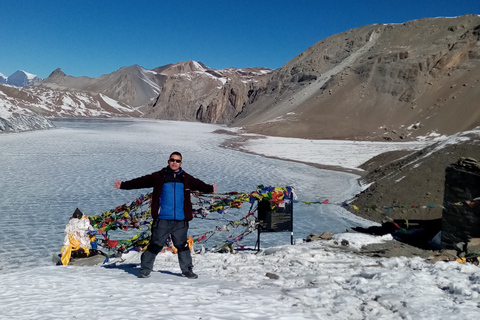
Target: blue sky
{"points": [[95, 37]]}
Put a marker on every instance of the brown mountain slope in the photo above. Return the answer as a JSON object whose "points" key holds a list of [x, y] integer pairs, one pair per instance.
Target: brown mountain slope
{"points": [[414, 179], [133, 85], [194, 92], [376, 82]]}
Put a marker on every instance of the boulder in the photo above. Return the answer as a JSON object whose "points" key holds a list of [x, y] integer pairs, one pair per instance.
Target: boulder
{"points": [[272, 276], [315, 237], [473, 246]]}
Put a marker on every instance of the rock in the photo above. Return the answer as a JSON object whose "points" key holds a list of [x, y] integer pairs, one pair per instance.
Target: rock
{"points": [[315, 237], [468, 163], [326, 235], [440, 258], [394, 248], [272, 276], [445, 255], [473, 246], [452, 254], [90, 261], [312, 237]]}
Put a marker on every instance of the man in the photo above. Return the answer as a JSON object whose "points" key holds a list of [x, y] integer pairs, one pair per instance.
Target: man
{"points": [[171, 211]]}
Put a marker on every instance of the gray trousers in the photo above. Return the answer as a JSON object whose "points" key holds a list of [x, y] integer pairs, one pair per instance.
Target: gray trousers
{"points": [[161, 229]]}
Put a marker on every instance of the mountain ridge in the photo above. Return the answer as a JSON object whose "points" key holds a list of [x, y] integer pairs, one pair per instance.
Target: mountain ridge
{"points": [[392, 82]]}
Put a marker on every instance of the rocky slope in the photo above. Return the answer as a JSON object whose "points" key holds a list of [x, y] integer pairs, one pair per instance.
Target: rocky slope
{"points": [[393, 82], [134, 86], [24, 121], [41, 102], [194, 92], [399, 180]]}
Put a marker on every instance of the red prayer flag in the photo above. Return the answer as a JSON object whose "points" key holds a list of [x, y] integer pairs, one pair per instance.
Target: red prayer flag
{"points": [[112, 243]]}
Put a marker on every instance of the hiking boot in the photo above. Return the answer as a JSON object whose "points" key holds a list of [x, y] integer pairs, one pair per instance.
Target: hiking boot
{"points": [[143, 275], [189, 274]]}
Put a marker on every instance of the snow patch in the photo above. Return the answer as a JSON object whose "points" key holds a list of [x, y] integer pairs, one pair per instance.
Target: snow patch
{"points": [[114, 103]]}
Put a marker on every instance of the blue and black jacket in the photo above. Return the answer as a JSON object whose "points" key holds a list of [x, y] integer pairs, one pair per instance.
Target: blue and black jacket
{"points": [[172, 196], [173, 186]]}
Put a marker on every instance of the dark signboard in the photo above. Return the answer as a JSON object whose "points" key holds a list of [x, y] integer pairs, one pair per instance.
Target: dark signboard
{"points": [[278, 219]]}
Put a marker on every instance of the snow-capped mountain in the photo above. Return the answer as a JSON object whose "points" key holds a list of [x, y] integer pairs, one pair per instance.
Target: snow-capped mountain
{"points": [[3, 79], [21, 78], [189, 89]]}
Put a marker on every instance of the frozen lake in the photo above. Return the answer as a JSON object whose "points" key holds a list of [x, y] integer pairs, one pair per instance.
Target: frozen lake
{"points": [[47, 174]]}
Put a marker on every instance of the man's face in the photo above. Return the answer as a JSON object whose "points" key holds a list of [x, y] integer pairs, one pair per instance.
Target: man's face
{"points": [[175, 162]]}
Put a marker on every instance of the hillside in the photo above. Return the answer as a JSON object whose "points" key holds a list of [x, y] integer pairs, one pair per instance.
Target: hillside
{"points": [[402, 179], [377, 82]]}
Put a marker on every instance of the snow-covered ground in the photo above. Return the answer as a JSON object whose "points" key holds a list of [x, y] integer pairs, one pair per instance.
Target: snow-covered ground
{"points": [[315, 280], [46, 175], [345, 154]]}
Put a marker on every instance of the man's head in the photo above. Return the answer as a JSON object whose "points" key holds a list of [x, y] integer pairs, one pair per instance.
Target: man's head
{"points": [[175, 160]]}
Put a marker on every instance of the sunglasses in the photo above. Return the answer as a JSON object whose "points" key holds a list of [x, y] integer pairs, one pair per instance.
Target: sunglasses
{"points": [[175, 160]]}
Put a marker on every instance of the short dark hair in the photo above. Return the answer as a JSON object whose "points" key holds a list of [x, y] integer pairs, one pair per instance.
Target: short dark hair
{"points": [[176, 153]]}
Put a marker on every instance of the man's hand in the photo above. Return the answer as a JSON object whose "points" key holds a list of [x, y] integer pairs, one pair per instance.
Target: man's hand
{"points": [[117, 184]]}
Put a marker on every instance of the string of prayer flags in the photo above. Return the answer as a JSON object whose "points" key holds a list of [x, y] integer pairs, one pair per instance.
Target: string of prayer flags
{"points": [[136, 215]]}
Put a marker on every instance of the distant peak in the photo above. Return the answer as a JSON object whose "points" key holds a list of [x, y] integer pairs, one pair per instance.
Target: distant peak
{"points": [[133, 66], [195, 66], [21, 78], [57, 73], [183, 67]]}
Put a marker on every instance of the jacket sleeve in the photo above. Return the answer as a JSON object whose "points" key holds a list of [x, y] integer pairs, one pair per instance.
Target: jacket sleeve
{"points": [[147, 181], [198, 185]]}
